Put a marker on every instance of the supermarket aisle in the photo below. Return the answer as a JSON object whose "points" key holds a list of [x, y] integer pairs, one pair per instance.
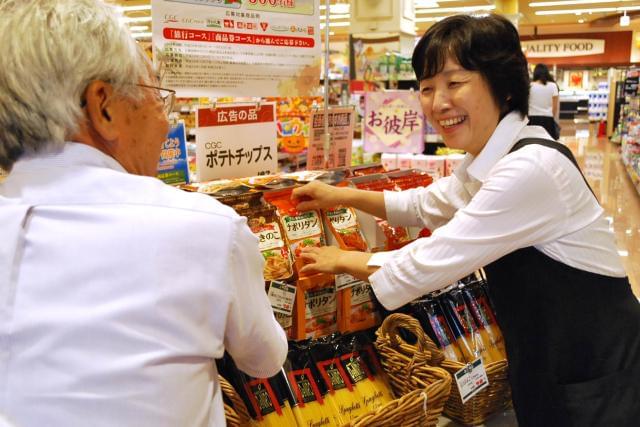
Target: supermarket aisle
{"points": [[601, 164]]}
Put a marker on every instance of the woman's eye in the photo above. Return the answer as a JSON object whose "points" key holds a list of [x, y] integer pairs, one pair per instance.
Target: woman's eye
{"points": [[454, 84], [426, 90]]}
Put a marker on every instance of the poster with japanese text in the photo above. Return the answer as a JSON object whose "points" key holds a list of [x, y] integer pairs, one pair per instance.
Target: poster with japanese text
{"points": [[393, 122], [173, 167], [292, 117], [341, 122], [237, 47], [236, 141]]}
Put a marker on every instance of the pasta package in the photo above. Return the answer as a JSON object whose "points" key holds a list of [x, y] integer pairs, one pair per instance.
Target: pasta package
{"points": [[483, 315], [268, 402], [264, 224], [360, 309], [302, 229], [429, 314]]}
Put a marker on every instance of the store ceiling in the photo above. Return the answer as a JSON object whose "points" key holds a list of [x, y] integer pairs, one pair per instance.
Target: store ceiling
{"points": [[536, 16]]}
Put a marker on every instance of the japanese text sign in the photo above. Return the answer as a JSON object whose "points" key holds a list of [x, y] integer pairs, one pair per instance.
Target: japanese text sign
{"points": [[227, 48], [173, 167], [235, 141], [341, 122], [393, 122]]}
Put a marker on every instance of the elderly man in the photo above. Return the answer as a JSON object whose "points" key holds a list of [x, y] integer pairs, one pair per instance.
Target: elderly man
{"points": [[116, 292]]}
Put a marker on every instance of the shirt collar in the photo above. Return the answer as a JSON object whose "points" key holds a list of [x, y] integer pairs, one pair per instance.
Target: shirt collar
{"points": [[71, 154], [498, 145]]}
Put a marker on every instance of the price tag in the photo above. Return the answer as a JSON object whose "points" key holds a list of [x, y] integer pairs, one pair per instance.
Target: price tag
{"points": [[282, 295], [345, 281], [471, 379]]}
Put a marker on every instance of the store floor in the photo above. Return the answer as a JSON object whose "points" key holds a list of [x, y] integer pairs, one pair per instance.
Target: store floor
{"points": [[600, 161]]}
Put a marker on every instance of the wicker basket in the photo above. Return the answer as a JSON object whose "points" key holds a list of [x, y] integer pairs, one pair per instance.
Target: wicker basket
{"points": [[236, 415], [424, 389], [495, 398]]}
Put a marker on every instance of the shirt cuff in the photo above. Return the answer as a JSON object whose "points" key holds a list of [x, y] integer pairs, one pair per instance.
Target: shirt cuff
{"points": [[379, 258], [383, 288], [398, 207]]}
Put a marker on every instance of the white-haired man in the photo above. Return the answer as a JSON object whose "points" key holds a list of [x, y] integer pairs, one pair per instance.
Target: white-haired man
{"points": [[116, 292]]}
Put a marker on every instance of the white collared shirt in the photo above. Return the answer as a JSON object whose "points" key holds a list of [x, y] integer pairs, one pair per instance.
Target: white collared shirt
{"points": [[117, 293], [492, 205]]}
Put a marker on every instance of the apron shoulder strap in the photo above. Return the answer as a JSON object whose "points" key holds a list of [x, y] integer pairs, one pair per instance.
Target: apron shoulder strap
{"points": [[563, 149]]}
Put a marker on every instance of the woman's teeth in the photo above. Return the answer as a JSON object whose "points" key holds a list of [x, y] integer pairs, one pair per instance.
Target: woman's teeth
{"points": [[451, 122]]}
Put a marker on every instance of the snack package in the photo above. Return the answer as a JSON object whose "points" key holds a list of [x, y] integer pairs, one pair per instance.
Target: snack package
{"points": [[411, 178], [367, 170], [321, 312], [429, 314], [286, 322], [343, 395], [343, 224], [302, 229], [359, 308], [264, 223], [308, 389]]}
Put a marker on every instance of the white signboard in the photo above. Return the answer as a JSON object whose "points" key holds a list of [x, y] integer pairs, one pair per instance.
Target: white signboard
{"points": [[237, 140], [220, 48], [341, 122], [555, 48]]}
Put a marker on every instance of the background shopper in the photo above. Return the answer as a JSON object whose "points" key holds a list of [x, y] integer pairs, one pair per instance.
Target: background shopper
{"points": [[543, 101], [116, 292], [519, 207]]}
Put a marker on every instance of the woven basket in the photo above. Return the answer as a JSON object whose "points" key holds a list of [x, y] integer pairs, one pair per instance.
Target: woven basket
{"points": [[236, 415], [424, 389], [495, 398]]}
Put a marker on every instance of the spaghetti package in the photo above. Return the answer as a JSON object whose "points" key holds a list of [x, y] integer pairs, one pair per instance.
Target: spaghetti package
{"points": [[321, 312], [429, 314], [473, 341], [340, 375], [302, 229], [483, 315], [309, 391], [278, 264]]}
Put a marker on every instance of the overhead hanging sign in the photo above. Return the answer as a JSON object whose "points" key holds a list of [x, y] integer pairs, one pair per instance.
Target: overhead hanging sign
{"points": [[174, 167], [393, 122], [221, 48], [341, 121], [237, 140], [555, 48]]}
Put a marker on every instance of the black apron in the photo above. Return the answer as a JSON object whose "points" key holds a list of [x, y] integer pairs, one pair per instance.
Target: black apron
{"points": [[572, 338]]}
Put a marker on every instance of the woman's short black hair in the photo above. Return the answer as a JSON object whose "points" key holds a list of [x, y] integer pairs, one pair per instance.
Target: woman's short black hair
{"points": [[488, 44], [541, 74]]}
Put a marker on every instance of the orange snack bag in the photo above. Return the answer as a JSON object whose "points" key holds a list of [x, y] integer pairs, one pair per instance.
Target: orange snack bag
{"points": [[344, 226], [301, 229]]}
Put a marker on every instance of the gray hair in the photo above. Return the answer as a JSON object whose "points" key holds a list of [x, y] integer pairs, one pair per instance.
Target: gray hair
{"points": [[51, 51]]}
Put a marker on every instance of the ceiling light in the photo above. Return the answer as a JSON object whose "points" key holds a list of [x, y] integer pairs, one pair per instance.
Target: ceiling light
{"points": [[595, 10], [138, 28], [141, 35], [127, 19], [456, 9], [570, 2], [338, 8], [425, 3], [625, 20], [580, 21], [430, 19], [336, 16], [335, 24], [134, 8]]}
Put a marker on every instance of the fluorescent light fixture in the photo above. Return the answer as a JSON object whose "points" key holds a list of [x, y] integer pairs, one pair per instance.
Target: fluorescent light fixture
{"points": [[138, 28], [580, 21], [134, 8], [425, 3], [461, 9], [430, 19], [336, 24], [127, 19], [338, 8], [595, 10], [141, 35], [336, 16], [571, 2]]}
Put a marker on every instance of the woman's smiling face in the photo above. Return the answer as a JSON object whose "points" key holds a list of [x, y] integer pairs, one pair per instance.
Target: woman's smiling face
{"points": [[460, 106]]}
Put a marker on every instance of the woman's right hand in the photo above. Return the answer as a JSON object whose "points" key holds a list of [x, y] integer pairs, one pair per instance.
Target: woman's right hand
{"points": [[318, 195]]}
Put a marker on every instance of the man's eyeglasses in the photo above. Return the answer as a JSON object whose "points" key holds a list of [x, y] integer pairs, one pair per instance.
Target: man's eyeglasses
{"points": [[167, 96]]}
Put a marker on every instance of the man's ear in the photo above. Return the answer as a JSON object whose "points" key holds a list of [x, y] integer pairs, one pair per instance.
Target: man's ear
{"points": [[100, 108]]}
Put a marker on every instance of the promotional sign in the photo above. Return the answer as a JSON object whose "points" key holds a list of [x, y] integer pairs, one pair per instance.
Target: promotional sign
{"points": [[556, 48], [173, 167], [237, 48], [341, 122], [234, 141], [393, 122], [292, 118]]}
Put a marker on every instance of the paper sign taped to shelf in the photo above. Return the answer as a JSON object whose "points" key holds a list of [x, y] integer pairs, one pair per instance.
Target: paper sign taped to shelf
{"points": [[282, 295], [234, 141], [341, 121], [345, 281], [393, 122], [231, 48], [173, 167], [471, 379]]}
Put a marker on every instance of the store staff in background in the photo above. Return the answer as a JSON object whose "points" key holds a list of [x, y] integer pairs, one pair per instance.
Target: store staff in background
{"points": [[117, 292], [543, 101], [523, 211]]}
